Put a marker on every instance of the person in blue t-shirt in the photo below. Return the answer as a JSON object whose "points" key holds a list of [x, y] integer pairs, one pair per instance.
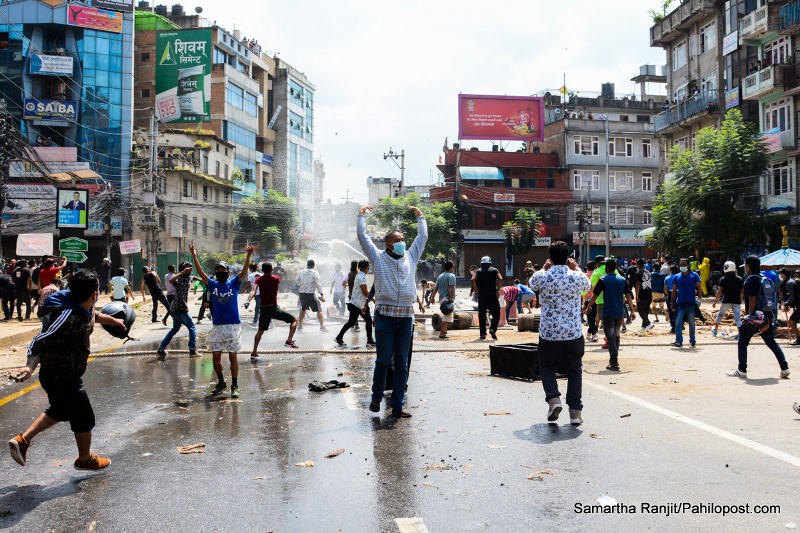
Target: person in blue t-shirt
{"points": [[752, 290], [686, 292], [525, 297], [615, 290], [668, 284], [658, 291], [226, 330]]}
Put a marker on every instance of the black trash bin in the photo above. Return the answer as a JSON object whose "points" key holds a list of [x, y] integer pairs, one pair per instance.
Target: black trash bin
{"points": [[518, 360]]}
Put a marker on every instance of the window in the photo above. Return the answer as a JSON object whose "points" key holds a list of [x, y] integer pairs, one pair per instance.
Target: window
{"points": [[679, 55], [216, 196], [708, 37], [708, 83], [620, 215], [586, 179], [227, 172], [585, 145], [647, 216], [227, 197], [295, 124], [145, 57], [217, 167], [194, 225], [145, 93], [620, 147], [647, 181], [206, 194], [235, 96], [683, 142], [217, 229], [776, 51], [187, 188], [225, 230], [296, 93], [647, 148], [306, 157], [620, 180], [777, 115], [239, 135], [219, 57], [205, 227], [592, 213], [185, 224], [779, 179], [680, 93]]}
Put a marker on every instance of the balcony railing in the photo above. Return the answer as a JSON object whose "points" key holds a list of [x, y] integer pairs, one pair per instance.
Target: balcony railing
{"points": [[790, 16], [754, 24], [697, 105], [681, 18], [760, 83]]}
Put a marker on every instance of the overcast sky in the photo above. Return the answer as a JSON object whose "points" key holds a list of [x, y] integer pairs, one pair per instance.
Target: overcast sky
{"points": [[388, 74]]}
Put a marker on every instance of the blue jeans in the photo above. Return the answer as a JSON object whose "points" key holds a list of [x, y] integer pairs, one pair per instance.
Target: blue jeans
{"points": [[551, 353], [687, 310], [257, 303], [746, 333], [339, 302], [393, 336], [181, 318]]}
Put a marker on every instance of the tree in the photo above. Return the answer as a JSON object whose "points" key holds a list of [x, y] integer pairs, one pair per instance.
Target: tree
{"points": [[393, 213], [658, 17], [522, 232], [714, 195], [266, 220]]}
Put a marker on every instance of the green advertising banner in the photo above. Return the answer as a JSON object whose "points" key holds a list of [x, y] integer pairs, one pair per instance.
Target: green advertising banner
{"points": [[183, 75]]}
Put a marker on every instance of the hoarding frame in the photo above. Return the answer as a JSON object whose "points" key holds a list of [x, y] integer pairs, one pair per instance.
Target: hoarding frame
{"points": [[66, 215], [501, 118], [183, 75]]}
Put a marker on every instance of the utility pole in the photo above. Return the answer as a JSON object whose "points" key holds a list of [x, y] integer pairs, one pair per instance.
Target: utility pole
{"points": [[347, 196], [394, 156], [608, 200], [5, 151]]}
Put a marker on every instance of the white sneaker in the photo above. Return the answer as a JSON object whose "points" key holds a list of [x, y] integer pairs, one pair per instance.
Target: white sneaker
{"points": [[555, 410], [575, 417], [650, 326], [737, 374], [785, 374]]}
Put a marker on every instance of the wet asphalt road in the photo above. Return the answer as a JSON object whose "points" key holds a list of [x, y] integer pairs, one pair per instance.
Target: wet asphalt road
{"points": [[454, 466]]}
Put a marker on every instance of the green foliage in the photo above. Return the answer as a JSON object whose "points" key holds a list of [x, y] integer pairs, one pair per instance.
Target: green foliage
{"points": [[521, 234], [237, 175], [265, 221], [393, 213], [281, 257], [659, 16], [208, 260], [713, 197]]}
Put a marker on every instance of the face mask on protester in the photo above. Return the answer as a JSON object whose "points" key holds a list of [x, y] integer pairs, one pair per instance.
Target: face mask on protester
{"points": [[222, 277], [399, 248], [684, 269]]}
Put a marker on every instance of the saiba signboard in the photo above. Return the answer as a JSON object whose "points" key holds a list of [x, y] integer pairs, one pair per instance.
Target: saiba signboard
{"points": [[500, 118]]}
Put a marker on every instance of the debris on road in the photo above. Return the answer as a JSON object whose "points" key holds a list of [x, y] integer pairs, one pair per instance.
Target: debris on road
{"points": [[437, 467], [305, 464], [540, 474], [595, 436], [605, 499], [625, 415], [322, 386], [334, 453], [259, 478], [496, 413], [495, 446], [192, 448]]}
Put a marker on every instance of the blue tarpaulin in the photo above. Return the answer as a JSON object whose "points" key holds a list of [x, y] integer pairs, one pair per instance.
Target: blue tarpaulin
{"points": [[481, 173]]}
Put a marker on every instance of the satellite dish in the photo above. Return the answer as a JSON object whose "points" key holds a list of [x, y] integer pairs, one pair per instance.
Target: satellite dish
{"points": [[198, 10]]}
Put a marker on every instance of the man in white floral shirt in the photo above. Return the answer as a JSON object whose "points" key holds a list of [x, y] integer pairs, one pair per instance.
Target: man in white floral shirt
{"points": [[559, 285]]}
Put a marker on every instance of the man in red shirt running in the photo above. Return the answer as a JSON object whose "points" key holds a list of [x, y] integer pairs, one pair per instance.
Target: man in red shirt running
{"points": [[49, 271], [268, 287]]}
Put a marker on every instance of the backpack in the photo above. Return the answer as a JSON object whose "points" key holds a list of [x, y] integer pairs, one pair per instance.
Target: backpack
{"points": [[767, 299]]}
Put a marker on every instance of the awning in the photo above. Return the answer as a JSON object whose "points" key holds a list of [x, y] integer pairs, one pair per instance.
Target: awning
{"points": [[74, 175], [481, 173], [647, 231]]}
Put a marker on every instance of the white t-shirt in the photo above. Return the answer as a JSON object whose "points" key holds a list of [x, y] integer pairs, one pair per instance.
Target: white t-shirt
{"points": [[338, 278], [251, 277], [358, 299], [170, 286], [119, 283]]}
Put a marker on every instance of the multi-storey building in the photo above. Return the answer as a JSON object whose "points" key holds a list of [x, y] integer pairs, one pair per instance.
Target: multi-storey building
{"points": [[607, 147], [488, 188], [293, 111], [241, 82], [67, 74]]}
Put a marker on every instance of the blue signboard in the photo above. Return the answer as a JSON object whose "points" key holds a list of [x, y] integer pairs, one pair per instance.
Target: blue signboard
{"points": [[51, 65], [266, 160], [40, 109]]}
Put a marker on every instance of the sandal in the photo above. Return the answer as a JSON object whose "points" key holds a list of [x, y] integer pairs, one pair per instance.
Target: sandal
{"points": [[443, 337]]}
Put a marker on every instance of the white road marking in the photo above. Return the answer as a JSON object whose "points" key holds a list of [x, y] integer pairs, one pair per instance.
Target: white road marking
{"points": [[351, 399], [766, 450], [411, 525]]}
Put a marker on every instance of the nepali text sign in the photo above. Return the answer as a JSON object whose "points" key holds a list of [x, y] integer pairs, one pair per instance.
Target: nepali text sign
{"points": [[500, 118], [34, 244], [94, 19], [125, 6], [183, 75], [730, 43], [130, 247], [504, 198], [39, 109], [51, 65], [72, 208], [24, 169]]}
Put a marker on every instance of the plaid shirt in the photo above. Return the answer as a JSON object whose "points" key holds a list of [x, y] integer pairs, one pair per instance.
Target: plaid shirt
{"points": [[395, 311], [47, 291]]}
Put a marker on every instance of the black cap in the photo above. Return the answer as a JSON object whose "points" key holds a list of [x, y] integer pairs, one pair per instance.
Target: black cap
{"points": [[599, 258]]}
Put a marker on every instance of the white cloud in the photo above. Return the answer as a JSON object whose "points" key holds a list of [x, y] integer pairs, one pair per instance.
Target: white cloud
{"points": [[388, 73]]}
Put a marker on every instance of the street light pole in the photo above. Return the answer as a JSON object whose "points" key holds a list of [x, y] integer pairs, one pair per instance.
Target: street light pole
{"points": [[394, 156]]}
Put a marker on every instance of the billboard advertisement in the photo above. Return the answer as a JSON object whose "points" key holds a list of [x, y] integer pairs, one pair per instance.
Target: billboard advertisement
{"points": [[73, 208], [94, 19], [183, 75], [34, 244], [51, 65], [40, 109], [24, 169], [125, 6], [500, 118]]}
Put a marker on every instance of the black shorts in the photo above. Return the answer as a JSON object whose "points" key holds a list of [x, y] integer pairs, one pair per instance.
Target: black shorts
{"points": [[795, 317], [267, 313], [68, 402], [309, 301]]}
